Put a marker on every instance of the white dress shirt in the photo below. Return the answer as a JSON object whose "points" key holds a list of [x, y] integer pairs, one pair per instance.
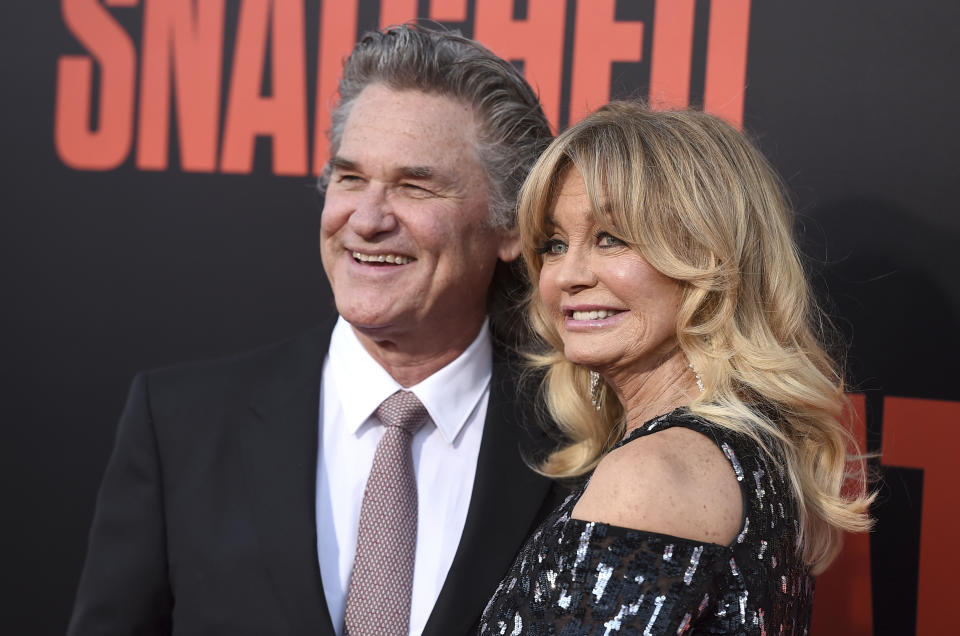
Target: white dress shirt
{"points": [[444, 460]]}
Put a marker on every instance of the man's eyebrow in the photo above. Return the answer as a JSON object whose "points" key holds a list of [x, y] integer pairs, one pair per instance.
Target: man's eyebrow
{"points": [[418, 172], [341, 163], [441, 179]]}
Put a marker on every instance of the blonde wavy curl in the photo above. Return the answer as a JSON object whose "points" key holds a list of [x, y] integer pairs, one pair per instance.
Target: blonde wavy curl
{"points": [[703, 206]]}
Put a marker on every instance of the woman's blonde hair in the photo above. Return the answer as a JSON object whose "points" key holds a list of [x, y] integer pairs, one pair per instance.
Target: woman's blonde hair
{"points": [[701, 204]]}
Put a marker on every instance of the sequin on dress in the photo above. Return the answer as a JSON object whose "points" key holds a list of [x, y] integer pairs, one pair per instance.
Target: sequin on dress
{"points": [[580, 577]]}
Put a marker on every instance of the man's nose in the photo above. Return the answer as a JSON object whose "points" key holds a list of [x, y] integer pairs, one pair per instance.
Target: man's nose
{"points": [[372, 213], [576, 271]]}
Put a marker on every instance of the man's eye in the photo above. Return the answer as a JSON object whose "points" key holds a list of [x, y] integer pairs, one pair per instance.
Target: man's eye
{"points": [[415, 190], [552, 247], [605, 239], [348, 178]]}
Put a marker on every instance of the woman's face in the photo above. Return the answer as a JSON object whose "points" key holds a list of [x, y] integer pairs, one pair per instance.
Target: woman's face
{"points": [[613, 310]]}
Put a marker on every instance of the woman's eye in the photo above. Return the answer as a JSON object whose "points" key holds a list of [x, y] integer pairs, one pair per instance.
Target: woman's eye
{"points": [[605, 239], [552, 247]]}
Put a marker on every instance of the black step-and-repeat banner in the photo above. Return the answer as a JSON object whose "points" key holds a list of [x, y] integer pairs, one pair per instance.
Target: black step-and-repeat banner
{"points": [[158, 206]]}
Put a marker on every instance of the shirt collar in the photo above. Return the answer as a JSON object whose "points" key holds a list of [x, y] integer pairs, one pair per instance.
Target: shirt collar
{"points": [[450, 395]]}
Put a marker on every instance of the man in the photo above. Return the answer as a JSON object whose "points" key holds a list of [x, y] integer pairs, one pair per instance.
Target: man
{"points": [[273, 492]]}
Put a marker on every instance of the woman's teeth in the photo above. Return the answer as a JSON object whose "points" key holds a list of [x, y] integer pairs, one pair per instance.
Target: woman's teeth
{"points": [[599, 314], [395, 259]]}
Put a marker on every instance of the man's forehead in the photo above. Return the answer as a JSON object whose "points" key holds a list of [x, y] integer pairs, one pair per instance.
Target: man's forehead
{"points": [[379, 113], [409, 134]]}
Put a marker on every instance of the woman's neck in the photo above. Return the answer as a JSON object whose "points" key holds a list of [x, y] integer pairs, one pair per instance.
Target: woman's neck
{"points": [[664, 387]]}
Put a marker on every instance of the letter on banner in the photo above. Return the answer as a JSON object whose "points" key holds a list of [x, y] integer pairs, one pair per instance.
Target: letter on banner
{"points": [[843, 595], [106, 144], [537, 41], [188, 33], [282, 115], [621, 42], [726, 74], [338, 34], [925, 434], [671, 54]]}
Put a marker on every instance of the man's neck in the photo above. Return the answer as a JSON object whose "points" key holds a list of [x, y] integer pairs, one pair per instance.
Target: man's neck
{"points": [[409, 361]]}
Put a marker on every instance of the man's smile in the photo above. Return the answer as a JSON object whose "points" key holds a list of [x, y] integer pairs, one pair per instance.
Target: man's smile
{"points": [[382, 259]]}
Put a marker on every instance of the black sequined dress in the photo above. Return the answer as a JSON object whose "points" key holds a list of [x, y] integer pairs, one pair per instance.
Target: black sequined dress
{"points": [[580, 577]]}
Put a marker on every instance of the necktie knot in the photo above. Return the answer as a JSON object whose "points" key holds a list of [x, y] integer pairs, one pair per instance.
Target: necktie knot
{"points": [[403, 410]]}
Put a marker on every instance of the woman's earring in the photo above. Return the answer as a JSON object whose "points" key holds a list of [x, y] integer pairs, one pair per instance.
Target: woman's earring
{"points": [[595, 389], [696, 375]]}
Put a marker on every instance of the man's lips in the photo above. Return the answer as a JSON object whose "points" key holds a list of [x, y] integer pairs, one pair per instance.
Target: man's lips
{"points": [[385, 258]]}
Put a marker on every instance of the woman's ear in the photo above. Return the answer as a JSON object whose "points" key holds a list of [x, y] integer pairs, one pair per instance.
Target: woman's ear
{"points": [[509, 248]]}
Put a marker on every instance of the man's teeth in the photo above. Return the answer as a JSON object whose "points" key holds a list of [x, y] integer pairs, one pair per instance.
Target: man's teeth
{"points": [[599, 314], [395, 259]]}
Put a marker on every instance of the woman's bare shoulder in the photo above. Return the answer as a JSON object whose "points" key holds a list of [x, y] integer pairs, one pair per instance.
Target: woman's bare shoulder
{"points": [[676, 482]]}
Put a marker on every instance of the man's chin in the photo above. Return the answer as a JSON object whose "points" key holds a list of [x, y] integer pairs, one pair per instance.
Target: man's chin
{"points": [[370, 329], [371, 324]]}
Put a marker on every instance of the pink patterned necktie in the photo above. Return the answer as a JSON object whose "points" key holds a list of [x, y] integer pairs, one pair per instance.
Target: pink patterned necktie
{"points": [[378, 601]]}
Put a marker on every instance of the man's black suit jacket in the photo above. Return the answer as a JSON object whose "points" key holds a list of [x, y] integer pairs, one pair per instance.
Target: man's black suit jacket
{"points": [[205, 522]]}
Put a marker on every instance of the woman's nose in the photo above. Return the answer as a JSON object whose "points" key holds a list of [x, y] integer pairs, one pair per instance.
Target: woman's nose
{"points": [[575, 271]]}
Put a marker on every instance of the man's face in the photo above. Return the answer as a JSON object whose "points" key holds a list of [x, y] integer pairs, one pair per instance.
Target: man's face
{"points": [[405, 238]]}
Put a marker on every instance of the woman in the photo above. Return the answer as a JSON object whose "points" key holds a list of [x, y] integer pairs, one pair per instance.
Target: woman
{"points": [[683, 369]]}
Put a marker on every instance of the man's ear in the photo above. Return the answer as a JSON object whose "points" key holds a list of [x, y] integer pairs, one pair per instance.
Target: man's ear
{"points": [[509, 248]]}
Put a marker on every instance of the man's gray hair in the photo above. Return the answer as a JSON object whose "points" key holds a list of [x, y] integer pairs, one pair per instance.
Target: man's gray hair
{"points": [[512, 130]]}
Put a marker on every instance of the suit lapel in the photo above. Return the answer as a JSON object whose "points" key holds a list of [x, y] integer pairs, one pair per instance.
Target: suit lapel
{"points": [[279, 437], [506, 499]]}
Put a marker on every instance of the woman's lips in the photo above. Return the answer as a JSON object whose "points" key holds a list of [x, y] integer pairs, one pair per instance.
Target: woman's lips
{"points": [[583, 318], [593, 314]]}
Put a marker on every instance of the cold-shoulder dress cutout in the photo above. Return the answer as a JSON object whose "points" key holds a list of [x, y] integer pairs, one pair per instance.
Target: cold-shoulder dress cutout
{"points": [[576, 577]]}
